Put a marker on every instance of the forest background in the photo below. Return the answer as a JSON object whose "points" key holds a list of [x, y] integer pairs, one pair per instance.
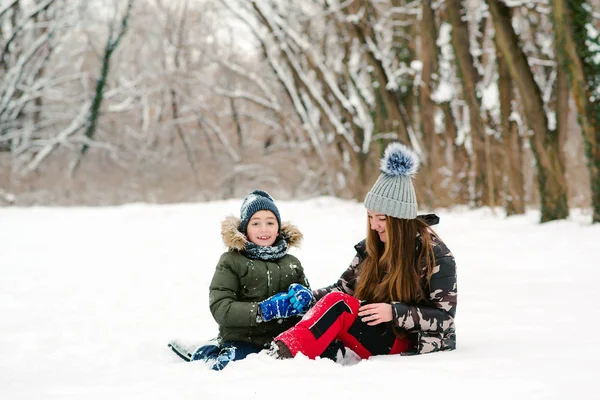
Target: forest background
{"points": [[115, 101]]}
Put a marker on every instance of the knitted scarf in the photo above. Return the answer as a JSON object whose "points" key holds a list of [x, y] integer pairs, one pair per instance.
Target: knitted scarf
{"points": [[267, 253]]}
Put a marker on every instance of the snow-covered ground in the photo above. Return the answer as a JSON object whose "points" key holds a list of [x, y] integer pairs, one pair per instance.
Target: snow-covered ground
{"points": [[89, 298]]}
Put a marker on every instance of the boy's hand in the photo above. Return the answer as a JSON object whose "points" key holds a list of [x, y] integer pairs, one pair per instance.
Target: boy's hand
{"points": [[286, 304], [300, 297], [277, 306]]}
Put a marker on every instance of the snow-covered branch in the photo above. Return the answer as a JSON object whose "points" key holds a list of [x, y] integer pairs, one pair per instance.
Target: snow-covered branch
{"points": [[21, 25]]}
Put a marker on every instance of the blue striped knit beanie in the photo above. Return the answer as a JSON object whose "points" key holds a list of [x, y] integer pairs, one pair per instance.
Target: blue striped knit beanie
{"points": [[393, 194], [256, 201]]}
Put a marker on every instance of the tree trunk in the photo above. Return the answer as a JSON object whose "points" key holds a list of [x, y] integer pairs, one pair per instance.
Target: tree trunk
{"points": [[469, 78], [457, 160], [513, 146], [562, 109], [94, 113], [544, 141], [570, 19], [427, 106], [390, 100], [364, 182], [38, 76]]}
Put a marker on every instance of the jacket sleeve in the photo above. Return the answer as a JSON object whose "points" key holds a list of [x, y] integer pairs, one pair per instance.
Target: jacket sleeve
{"points": [[346, 283], [303, 280], [439, 315], [223, 297]]}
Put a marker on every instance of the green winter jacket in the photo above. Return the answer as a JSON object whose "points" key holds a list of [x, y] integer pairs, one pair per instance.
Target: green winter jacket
{"points": [[240, 283]]}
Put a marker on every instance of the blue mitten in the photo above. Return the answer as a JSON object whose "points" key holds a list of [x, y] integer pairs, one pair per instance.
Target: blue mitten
{"points": [[276, 306], [300, 297], [286, 304]]}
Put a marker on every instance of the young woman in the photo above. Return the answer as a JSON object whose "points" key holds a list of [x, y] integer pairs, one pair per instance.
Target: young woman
{"points": [[399, 294]]}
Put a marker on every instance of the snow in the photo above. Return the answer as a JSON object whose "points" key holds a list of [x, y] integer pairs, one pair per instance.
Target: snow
{"points": [[89, 298], [445, 91], [490, 97], [592, 42]]}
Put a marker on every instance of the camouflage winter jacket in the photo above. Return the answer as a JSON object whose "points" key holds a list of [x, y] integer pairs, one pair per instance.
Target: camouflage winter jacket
{"points": [[430, 327], [240, 283]]}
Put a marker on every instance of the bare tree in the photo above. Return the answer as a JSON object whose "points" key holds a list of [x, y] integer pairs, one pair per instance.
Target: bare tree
{"points": [[345, 80], [22, 59], [470, 78], [578, 50], [544, 140], [513, 143], [116, 32]]}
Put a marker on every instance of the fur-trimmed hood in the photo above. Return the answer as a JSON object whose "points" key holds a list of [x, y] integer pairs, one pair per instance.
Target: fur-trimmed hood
{"points": [[236, 240]]}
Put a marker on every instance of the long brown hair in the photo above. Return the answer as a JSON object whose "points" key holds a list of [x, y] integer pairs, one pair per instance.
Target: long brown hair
{"points": [[392, 271]]}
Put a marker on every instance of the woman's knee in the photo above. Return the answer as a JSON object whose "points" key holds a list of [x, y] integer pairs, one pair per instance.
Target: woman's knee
{"points": [[333, 298]]}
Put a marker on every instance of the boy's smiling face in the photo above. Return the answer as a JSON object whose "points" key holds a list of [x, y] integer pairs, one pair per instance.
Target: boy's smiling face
{"points": [[262, 228]]}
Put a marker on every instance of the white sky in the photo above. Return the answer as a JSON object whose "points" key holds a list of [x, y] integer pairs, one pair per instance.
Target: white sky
{"points": [[90, 297]]}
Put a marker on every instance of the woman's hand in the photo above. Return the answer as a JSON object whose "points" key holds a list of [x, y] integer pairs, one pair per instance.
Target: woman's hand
{"points": [[375, 313]]}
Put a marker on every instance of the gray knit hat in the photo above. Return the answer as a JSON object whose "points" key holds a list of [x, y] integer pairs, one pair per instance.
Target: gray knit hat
{"points": [[393, 194], [256, 201]]}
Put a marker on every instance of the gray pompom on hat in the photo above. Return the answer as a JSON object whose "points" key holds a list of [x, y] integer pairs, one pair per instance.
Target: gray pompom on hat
{"points": [[254, 202], [393, 194]]}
